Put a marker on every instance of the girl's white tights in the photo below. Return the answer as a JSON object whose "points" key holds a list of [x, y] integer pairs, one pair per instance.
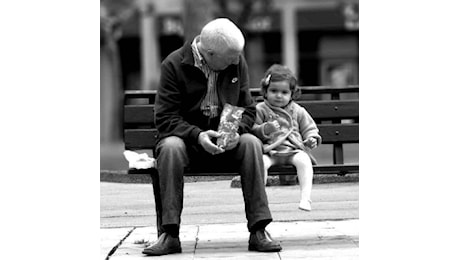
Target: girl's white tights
{"points": [[302, 162]]}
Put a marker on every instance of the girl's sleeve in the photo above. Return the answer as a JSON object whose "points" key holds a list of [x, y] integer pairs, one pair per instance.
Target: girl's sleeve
{"points": [[307, 126], [258, 128]]}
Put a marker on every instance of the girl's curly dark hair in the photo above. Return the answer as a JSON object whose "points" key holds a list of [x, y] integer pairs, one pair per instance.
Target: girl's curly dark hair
{"points": [[278, 72]]}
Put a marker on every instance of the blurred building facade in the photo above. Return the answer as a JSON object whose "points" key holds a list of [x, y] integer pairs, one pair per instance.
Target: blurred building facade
{"points": [[317, 39]]}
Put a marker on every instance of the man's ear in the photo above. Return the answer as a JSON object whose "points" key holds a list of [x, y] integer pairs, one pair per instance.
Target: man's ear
{"points": [[203, 49], [210, 52]]}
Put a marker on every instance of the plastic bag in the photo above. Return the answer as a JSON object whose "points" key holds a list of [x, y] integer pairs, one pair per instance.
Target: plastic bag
{"points": [[229, 123], [139, 161]]}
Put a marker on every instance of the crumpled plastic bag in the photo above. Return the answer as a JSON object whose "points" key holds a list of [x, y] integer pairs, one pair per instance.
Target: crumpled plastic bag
{"points": [[139, 161], [229, 123]]}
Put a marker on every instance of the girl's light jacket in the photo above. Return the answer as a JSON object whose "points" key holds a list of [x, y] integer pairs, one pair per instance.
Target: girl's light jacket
{"points": [[296, 126]]}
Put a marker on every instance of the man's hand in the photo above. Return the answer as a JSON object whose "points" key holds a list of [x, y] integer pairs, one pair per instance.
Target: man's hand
{"points": [[271, 127], [204, 139], [311, 143]]}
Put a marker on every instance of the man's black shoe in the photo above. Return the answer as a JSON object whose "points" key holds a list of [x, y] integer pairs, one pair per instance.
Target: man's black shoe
{"points": [[166, 244], [262, 241]]}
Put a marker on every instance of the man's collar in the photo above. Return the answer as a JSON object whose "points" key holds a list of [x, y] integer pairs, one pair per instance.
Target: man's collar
{"points": [[187, 53], [198, 58]]}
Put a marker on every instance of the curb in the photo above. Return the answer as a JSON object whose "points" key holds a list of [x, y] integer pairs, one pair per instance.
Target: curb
{"points": [[274, 180], [124, 177]]}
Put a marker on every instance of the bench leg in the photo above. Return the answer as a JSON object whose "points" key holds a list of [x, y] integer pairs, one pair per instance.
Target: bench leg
{"points": [[338, 154], [338, 157]]}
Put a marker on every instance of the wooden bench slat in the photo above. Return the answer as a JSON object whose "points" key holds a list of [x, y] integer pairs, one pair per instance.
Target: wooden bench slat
{"points": [[318, 90], [285, 170], [142, 114], [140, 138], [331, 109], [339, 133], [319, 110], [331, 133], [129, 94], [318, 169], [256, 91], [274, 170]]}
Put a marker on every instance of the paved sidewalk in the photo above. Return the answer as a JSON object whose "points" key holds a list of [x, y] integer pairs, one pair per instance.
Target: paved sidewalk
{"points": [[214, 225], [299, 239]]}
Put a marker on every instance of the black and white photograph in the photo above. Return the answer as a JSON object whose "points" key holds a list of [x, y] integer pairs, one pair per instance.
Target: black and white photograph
{"points": [[229, 129]]}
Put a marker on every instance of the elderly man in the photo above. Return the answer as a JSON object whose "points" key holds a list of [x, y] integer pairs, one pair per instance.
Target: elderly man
{"points": [[196, 81]]}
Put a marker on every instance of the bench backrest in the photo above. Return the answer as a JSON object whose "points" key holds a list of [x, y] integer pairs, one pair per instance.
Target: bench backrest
{"points": [[140, 132]]}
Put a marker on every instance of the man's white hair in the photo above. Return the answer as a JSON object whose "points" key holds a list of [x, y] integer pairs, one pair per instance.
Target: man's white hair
{"points": [[221, 34]]}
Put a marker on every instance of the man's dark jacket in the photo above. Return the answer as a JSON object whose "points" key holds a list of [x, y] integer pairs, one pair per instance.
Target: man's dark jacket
{"points": [[182, 88]]}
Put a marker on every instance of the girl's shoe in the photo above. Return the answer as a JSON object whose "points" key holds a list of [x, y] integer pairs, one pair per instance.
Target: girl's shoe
{"points": [[305, 205]]}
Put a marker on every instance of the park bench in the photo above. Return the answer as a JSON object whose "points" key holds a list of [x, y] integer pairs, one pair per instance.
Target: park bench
{"points": [[337, 120]]}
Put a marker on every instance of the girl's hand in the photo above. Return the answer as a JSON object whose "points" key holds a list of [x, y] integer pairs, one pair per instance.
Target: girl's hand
{"points": [[271, 127], [311, 143]]}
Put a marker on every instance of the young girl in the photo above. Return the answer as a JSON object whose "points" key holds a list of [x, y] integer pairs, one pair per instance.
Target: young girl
{"points": [[286, 129]]}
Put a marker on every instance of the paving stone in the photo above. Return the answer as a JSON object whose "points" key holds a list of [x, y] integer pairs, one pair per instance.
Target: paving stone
{"points": [[305, 240], [133, 245], [322, 254], [227, 241], [234, 253], [110, 238]]}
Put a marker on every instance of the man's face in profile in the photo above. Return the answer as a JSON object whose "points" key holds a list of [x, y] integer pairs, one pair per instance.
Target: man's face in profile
{"points": [[218, 61]]}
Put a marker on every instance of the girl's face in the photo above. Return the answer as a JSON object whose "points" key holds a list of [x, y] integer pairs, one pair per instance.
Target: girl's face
{"points": [[279, 93]]}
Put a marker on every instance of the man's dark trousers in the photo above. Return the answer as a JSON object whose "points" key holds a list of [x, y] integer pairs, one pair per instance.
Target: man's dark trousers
{"points": [[173, 155]]}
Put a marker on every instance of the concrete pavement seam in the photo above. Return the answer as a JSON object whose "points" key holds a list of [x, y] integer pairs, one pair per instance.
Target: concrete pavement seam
{"points": [[196, 240], [349, 238], [112, 251], [315, 220]]}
